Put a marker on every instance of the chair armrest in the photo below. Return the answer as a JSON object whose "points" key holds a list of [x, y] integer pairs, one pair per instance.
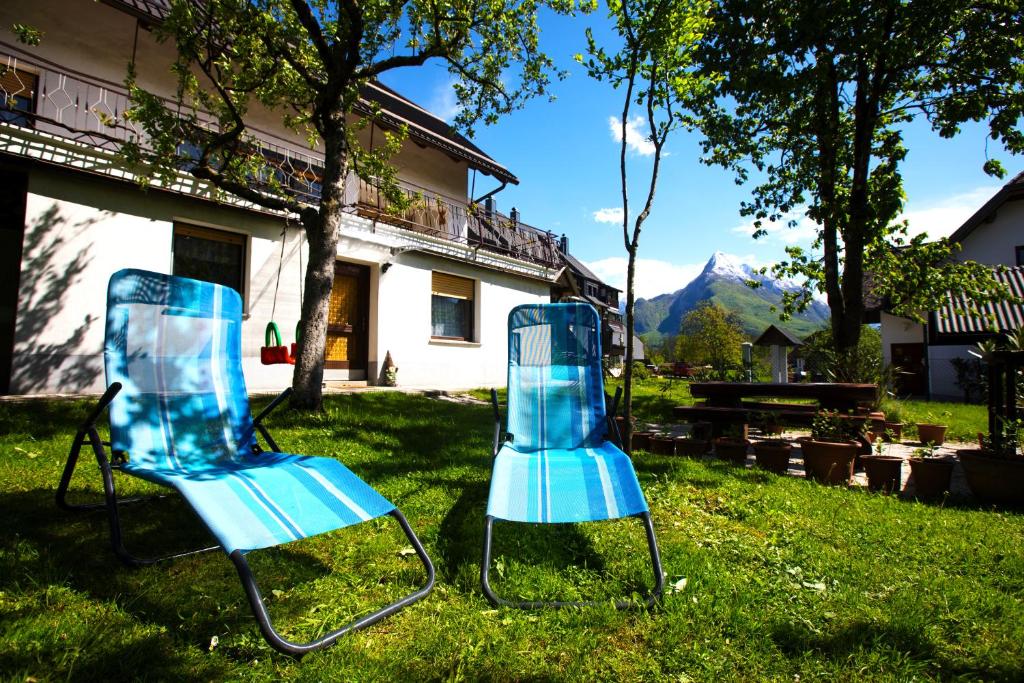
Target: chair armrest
{"points": [[101, 405], [257, 423], [610, 414]]}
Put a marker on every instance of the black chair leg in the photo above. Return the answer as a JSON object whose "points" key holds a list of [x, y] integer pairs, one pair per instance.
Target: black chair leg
{"points": [[87, 432], [654, 596], [281, 644]]}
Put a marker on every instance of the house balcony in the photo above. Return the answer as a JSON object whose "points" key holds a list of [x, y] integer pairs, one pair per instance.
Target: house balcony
{"points": [[57, 115]]}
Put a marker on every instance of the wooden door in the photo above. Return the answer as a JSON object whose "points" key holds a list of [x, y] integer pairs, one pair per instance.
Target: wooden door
{"points": [[911, 375], [348, 318]]}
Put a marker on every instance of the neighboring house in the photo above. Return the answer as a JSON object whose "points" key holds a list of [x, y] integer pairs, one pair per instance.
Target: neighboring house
{"points": [[579, 283], [433, 286], [994, 235]]}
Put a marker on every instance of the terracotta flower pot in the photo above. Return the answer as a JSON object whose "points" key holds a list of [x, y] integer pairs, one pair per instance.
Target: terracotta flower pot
{"points": [[734, 450], [693, 448], [641, 441], [893, 428], [773, 455], [663, 445], [931, 476], [931, 433], [772, 429], [829, 462], [885, 472], [993, 479]]}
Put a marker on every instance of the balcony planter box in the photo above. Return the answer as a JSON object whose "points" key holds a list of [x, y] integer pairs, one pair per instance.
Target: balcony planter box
{"points": [[885, 472], [773, 455], [733, 450], [693, 448], [662, 444], [992, 478], [829, 462], [931, 433], [641, 441], [931, 476]]}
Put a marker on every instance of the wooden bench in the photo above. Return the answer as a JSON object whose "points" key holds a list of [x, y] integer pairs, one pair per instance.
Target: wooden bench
{"points": [[724, 403]]}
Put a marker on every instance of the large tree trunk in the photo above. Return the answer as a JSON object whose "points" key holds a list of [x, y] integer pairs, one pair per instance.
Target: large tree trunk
{"points": [[322, 234]]}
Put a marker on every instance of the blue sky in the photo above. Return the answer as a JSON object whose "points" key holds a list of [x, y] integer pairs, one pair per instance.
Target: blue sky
{"points": [[566, 157]]}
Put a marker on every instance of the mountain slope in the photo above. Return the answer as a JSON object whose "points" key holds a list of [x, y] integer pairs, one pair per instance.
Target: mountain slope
{"points": [[723, 281]]}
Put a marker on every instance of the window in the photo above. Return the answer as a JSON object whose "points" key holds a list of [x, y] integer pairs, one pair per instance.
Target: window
{"points": [[210, 255], [451, 307], [17, 96], [1020, 256]]}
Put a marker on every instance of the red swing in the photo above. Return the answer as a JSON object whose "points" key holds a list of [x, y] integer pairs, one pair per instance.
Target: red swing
{"points": [[277, 353]]}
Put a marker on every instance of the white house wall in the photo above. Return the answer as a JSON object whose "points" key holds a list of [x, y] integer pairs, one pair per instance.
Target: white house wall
{"points": [[72, 247], [995, 242], [943, 375], [897, 330], [404, 326]]}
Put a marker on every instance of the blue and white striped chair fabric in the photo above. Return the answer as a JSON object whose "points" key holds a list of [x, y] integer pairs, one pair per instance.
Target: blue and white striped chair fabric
{"points": [[559, 467], [183, 418]]}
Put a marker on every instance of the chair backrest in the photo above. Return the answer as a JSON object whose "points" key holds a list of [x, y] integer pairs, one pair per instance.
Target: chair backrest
{"points": [[175, 346], [555, 381]]}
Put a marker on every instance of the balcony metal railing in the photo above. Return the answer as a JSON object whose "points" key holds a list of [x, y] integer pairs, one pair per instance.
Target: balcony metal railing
{"points": [[90, 111], [471, 224]]}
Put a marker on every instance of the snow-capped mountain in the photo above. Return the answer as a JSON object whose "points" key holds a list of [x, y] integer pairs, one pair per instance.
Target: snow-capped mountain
{"points": [[724, 281]]}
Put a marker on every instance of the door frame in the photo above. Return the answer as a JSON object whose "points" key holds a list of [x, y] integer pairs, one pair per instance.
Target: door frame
{"points": [[361, 348]]}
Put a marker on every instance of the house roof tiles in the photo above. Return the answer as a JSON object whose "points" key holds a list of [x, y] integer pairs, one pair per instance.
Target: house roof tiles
{"points": [[1003, 316]]}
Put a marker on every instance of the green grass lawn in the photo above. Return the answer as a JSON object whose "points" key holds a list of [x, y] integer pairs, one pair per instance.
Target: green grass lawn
{"points": [[783, 578]]}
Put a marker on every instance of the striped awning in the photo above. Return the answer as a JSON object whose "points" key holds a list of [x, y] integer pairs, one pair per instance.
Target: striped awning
{"points": [[1003, 316]]}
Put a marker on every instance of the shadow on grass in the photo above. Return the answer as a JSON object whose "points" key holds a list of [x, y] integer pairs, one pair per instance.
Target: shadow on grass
{"points": [[838, 645], [188, 599]]}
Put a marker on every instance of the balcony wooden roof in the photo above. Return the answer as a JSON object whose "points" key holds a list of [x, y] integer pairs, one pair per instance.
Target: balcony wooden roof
{"points": [[395, 110]]}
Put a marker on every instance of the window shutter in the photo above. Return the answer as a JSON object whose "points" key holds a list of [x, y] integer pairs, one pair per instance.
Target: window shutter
{"points": [[452, 286]]}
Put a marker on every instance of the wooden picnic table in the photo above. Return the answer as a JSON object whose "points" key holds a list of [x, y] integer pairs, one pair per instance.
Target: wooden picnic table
{"points": [[841, 396], [724, 403]]}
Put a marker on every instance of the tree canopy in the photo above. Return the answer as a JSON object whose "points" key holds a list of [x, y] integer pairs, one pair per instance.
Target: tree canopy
{"points": [[304, 62], [812, 105], [711, 335]]}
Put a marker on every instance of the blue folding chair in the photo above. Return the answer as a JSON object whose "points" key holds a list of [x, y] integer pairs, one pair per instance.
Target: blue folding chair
{"points": [[556, 464], [181, 419]]}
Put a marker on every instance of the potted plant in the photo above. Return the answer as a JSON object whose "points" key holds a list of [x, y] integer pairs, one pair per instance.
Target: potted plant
{"points": [[932, 431], [885, 472], [931, 473], [995, 472], [892, 431], [733, 445], [663, 444], [769, 422], [773, 455], [831, 450], [691, 445], [641, 441]]}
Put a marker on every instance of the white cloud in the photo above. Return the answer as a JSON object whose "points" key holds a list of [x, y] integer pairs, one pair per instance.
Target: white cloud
{"points": [[636, 140], [802, 234], [611, 215], [653, 277], [943, 217], [938, 218], [444, 103]]}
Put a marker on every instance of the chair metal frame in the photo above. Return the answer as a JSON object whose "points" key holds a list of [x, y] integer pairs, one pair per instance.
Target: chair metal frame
{"points": [[88, 432], [653, 597]]}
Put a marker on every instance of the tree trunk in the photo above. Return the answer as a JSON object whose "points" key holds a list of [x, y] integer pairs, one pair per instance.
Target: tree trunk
{"points": [[322, 229], [627, 380]]}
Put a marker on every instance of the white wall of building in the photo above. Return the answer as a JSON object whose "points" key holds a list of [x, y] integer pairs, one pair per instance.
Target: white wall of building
{"points": [[896, 330], [995, 242], [404, 323]]}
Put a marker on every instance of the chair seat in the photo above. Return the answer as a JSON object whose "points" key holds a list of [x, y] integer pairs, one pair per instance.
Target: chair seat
{"points": [[272, 498], [560, 485]]}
